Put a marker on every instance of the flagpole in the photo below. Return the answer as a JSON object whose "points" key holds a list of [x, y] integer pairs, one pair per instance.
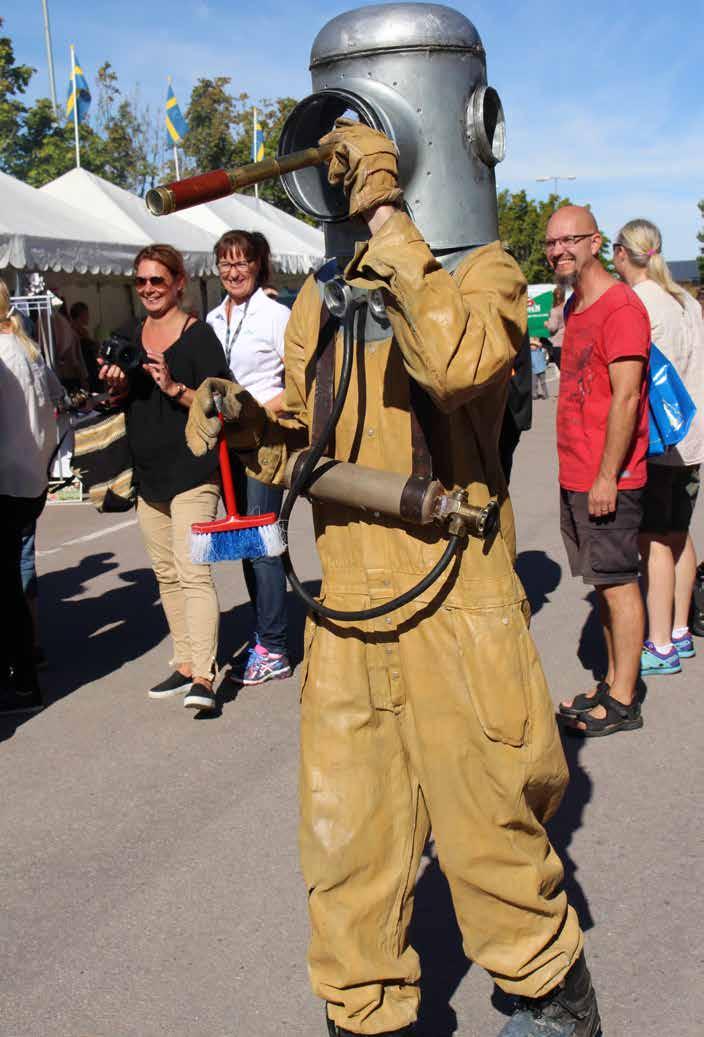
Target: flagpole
{"points": [[50, 59], [75, 107], [178, 174], [254, 146]]}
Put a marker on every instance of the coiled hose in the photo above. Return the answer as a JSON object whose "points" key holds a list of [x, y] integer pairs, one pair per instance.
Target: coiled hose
{"points": [[302, 480]]}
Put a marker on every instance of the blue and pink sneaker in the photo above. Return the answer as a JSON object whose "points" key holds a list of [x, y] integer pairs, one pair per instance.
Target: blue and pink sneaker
{"points": [[685, 646], [263, 666], [653, 662]]}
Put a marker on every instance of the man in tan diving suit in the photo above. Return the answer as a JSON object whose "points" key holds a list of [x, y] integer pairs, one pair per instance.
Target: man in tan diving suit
{"points": [[438, 714]]}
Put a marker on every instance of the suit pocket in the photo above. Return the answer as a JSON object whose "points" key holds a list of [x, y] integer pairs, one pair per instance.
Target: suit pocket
{"points": [[493, 646]]}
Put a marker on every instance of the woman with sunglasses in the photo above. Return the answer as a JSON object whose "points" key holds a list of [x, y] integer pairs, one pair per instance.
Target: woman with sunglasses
{"points": [[174, 488], [669, 560], [251, 326]]}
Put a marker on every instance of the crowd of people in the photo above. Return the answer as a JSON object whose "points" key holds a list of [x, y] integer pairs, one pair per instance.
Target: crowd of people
{"points": [[625, 516]]}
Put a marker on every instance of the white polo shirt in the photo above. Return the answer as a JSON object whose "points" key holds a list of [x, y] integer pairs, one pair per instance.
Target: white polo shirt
{"points": [[256, 355]]}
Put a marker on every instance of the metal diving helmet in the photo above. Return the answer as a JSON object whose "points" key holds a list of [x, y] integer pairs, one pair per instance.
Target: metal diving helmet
{"points": [[417, 72]]}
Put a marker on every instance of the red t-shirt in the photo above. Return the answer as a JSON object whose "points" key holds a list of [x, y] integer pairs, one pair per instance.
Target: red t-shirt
{"points": [[616, 326]]}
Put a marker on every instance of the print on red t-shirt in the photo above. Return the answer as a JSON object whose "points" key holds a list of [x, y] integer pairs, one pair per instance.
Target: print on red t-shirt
{"points": [[616, 326]]}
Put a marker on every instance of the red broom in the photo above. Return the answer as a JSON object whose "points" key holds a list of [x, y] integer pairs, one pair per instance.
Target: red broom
{"points": [[235, 536]]}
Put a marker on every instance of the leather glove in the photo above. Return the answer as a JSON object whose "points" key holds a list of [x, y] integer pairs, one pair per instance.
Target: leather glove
{"points": [[365, 162], [204, 424]]}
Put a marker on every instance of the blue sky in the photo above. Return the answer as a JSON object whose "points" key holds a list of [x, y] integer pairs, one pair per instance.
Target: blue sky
{"points": [[611, 96]]}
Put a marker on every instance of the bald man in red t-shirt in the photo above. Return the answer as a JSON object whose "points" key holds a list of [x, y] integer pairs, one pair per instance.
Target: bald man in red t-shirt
{"points": [[602, 442]]}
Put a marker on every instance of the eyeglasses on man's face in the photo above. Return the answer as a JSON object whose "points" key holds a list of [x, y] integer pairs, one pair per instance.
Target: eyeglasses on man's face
{"points": [[566, 241], [155, 282], [241, 266]]}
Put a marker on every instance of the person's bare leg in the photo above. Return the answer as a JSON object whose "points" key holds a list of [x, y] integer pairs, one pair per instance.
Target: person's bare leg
{"points": [[185, 669], [659, 585], [608, 636], [627, 625], [685, 575], [609, 642]]}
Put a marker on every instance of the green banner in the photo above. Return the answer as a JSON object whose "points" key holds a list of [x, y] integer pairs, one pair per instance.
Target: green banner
{"points": [[539, 306]]}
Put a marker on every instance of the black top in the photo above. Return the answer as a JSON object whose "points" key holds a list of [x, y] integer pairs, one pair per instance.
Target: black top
{"points": [[156, 424]]}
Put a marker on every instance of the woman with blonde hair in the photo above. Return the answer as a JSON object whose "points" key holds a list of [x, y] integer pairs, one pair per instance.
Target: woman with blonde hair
{"points": [[669, 560], [27, 439]]}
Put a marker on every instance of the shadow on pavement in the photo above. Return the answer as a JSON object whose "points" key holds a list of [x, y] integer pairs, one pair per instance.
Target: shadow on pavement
{"points": [[540, 576], [592, 650], [86, 638], [567, 821], [436, 937]]}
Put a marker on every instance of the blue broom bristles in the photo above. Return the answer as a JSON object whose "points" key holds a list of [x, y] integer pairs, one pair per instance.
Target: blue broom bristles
{"points": [[235, 544]]}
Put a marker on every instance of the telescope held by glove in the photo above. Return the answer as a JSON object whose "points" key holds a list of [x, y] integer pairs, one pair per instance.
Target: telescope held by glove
{"points": [[208, 187]]}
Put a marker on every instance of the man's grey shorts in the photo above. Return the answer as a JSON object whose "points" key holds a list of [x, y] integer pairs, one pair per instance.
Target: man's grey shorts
{"points": [[602, 551]]}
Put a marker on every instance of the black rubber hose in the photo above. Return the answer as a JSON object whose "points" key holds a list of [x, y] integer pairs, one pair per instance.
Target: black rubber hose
{"points": [[301, 481]]}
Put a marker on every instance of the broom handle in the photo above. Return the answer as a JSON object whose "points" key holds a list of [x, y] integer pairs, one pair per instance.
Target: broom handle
{"points": [[228, 487]]}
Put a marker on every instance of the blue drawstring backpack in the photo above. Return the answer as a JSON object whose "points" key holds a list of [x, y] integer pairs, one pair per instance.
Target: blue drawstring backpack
{"points": [[670, 407]]}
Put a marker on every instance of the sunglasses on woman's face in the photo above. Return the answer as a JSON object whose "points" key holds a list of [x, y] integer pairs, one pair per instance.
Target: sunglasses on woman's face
{"points": [[155, 282]]}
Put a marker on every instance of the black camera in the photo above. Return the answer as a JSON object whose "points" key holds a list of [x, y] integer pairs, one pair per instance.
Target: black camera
{"points": [[123, 352]]}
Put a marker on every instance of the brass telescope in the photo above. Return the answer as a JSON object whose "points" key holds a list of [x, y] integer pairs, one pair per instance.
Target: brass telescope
{"points": [[207, 187]]}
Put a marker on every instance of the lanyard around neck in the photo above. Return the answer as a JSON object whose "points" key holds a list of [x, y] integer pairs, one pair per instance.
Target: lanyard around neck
{"points": [[230, 335]]}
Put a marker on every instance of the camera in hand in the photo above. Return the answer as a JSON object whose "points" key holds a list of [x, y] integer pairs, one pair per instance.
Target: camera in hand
{"points": [[123, 352]]}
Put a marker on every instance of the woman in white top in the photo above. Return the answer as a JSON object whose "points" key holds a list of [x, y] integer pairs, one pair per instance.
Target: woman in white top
{"points": [[27, 440], [251, 326], [673, 478]]}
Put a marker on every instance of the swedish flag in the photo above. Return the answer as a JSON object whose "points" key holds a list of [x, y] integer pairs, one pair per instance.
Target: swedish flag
{"points": [[257, 142], [78, 93], [176, 125]]}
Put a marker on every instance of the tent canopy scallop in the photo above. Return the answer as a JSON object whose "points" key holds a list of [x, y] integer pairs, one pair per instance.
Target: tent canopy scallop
{"points": [[38, 232]]}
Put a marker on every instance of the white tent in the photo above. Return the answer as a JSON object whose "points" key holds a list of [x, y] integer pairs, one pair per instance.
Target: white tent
{"points": [[107, 203], [37, 232], [296, 248]]}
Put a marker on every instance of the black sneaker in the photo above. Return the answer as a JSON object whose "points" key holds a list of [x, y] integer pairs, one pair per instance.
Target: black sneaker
{"points": [[200, 697], [568, 1011], [175, 684]]}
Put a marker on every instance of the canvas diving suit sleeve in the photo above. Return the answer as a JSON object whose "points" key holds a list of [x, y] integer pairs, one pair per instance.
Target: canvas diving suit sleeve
{"points": [[457, 334]]}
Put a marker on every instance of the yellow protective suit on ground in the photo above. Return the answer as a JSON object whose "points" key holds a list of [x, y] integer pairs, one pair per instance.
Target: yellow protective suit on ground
{"points": [[437, 714]]}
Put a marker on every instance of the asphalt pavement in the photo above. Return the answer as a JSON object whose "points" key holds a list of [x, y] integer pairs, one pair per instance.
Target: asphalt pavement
{"points": [[149, 878]]}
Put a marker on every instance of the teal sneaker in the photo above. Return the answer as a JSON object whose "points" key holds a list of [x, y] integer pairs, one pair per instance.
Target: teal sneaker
{"points": [[653, 662], [685, 646]]}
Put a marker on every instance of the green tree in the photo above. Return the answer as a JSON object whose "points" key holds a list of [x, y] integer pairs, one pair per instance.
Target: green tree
{"points": [[211, 115], [45, 149], [700, 238], [14, 80], [220, 128], [125, 127]]}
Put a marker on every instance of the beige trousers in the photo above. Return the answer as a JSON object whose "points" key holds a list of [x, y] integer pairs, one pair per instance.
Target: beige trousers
{"points": [[406, 724], [187, 590]]}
